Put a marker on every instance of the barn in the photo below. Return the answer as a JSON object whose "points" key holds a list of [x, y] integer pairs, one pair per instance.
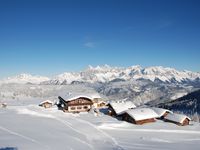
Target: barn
{"points": [[161, 112], [75, 103], [46, 104], [139, 116], [179, 119], [117, 108]]}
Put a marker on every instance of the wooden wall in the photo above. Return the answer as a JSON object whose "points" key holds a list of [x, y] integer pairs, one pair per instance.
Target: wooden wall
{"points": [[128, 118]]}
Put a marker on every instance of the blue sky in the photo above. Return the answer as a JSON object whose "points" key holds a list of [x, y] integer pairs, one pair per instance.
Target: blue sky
{"points": [[48, 37]]}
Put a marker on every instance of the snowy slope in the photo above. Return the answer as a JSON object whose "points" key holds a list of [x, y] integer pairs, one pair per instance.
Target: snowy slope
{"points": [[32, 127]]}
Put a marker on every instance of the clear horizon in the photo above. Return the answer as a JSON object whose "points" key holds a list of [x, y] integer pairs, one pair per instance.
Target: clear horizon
{"points": [[52, 37]]}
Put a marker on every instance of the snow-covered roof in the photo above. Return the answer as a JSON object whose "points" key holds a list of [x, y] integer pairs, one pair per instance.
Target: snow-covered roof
{"points": [[179, 118], [160, 111], [101, 102], [75, 96], [46, 101], [122, 106], [142, 113]]}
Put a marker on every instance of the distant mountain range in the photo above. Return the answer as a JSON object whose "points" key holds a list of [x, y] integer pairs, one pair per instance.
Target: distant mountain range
{"points": [[106, 74], [24, 79], [151, 85]]}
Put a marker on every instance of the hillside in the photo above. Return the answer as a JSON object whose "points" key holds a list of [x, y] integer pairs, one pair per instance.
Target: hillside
{"points": [[34, 128], [188, 104]]}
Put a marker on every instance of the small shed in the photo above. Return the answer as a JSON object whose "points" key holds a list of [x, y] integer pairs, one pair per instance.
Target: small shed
{"points": [[161, 112], [3, 105], [46, 104], [139, 115], [78, 103], [117, 108], [179, 119]]}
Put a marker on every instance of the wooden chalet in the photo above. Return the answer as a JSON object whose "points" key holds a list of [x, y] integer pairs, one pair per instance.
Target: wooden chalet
{"points": [[139, 116], [117, 108], [46, 104], [162, 113], [76, 104], [179, 119], [99, 104]]}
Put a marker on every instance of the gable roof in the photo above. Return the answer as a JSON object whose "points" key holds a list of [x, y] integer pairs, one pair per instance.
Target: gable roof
{"points": [[76, 96], [160, 111], [179, 118], [46, 101], [120, 107], [141, 113]]}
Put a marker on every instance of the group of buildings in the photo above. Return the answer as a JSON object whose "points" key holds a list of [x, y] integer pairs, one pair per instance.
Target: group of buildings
{"points": [[76, 103], [125, 111]]}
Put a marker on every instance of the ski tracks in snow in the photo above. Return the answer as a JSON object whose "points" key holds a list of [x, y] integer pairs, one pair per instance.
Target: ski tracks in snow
{"points": [[23, 136], [95, 132], [90, 131]]}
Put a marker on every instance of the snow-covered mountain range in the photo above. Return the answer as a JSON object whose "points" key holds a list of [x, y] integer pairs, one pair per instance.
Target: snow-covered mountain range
{"points": [[151, 85], [106, 74], [25, 78]]}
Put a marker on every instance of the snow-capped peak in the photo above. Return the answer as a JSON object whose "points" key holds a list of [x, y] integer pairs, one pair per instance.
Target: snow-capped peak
{"points": [[99, 68], [107, 73]]}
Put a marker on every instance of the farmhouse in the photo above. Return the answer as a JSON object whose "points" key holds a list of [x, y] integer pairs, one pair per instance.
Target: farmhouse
{"points": [[99, 104], [139, 115], [178, 119], [46, 104], [75, 103], [161, 112], [117, 108]]}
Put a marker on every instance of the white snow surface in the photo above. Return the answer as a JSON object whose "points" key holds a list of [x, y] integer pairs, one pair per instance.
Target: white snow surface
{"points": [[120, 107], [160, 111], [142, 113], [177, 117], [30, 127]]}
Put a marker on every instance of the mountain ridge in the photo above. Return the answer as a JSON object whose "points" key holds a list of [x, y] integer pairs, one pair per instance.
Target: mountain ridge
{"points": [[107, 73]]}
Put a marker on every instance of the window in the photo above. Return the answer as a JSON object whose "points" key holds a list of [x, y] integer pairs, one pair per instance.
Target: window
{"points": [[79, 107], [85, 107], [72, 108]]}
